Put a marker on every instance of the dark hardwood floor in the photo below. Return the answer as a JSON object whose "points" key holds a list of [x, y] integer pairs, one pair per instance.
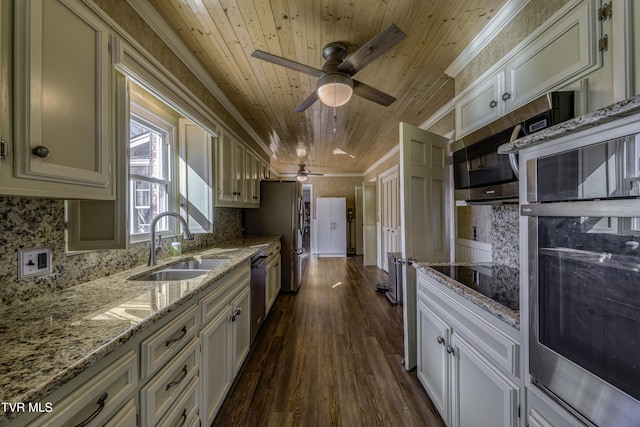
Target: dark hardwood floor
{"points": [[329, 356]]}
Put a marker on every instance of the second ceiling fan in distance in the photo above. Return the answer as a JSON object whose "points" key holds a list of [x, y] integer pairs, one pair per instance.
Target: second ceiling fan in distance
{"points": [[335, 84], [302, 174]]}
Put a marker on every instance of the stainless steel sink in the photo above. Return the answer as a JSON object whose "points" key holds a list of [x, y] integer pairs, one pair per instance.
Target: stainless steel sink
{"points": [[198, 264], [183, 270], [171, 275]]}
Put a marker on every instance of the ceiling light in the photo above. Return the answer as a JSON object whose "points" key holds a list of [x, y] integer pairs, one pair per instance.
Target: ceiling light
{"points": [[301, 177], [335, 89], [337, 151]]}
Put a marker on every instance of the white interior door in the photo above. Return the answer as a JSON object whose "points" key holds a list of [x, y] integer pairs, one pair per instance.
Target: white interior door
{"points": [[389, 215], [423, 217], [369, 234]]}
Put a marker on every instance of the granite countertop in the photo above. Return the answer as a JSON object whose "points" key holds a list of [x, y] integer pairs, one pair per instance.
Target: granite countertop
{"points": [[506, 314], [615, 111], [49, 340]]}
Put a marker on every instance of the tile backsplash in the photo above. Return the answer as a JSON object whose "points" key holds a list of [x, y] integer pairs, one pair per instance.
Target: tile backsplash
{"points": [[33, 223]]}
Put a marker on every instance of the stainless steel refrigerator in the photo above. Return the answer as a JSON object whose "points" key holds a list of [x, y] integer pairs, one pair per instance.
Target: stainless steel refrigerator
{"points": [[281, 212]]}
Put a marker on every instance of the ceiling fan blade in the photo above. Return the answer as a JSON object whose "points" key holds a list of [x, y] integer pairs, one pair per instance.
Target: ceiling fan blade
{"points": [[314, 173], [372, 94], [307, 102], [265, 56], [372, 49]]}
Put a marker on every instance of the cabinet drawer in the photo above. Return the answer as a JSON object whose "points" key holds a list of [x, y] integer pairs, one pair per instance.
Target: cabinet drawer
{"points": [[273, 248], [185, 410], [167, 385], [160, 347], [98, 398], [211, 304], [125, 417]]}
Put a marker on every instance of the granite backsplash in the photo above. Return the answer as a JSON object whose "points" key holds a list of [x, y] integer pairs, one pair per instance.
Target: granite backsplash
{"points": [[33, 223], [505, 235]]}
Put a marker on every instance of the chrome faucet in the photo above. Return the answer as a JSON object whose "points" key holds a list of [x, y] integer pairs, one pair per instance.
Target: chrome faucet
{"points": [[154, 249]]}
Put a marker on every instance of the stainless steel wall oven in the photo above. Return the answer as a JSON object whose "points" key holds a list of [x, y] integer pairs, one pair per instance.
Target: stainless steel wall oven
{"points": [[584, 279]]}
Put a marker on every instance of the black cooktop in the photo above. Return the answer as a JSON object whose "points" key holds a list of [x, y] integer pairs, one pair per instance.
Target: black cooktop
{"points": [[499, 283]]}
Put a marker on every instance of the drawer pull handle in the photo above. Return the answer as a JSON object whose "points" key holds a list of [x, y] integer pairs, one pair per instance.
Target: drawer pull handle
{"points": [[236, 315], [451, 350], [184, 417], [179, 380], [493, 104], [440, 340], [175, 340], [101, 403]]}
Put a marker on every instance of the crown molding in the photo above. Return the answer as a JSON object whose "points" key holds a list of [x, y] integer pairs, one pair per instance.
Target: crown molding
{"points": [[166, 34], [382, 159], [509, 11]]}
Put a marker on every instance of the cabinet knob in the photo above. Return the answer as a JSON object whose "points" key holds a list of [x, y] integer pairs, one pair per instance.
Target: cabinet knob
{"points": [[451, 350], [506, 96], [40, 151], [440, 340], [493, 104]]}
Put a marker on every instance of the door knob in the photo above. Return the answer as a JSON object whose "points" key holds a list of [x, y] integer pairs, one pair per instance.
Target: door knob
{"points": [[40, 151]]}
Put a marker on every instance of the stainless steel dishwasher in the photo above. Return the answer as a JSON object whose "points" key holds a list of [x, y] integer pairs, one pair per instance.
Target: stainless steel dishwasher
{"points": [[257, 291]]}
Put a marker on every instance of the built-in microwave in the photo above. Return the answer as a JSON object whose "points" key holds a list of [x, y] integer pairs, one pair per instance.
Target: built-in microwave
{"points": [[482, 174], [583, 216]]}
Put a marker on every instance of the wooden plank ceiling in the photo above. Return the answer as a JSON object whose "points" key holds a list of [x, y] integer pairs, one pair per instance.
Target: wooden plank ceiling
{"points": [[222, 34]]}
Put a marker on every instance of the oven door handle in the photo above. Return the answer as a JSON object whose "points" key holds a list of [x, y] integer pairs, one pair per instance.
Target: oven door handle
{"points": [[513, 158]]}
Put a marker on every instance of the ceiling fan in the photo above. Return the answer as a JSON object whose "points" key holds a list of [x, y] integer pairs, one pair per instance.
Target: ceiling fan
{"points": [[302, 174], [335, 85]]}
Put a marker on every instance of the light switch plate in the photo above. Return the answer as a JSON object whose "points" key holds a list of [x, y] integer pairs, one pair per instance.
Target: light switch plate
{"points": [[34, 262]]}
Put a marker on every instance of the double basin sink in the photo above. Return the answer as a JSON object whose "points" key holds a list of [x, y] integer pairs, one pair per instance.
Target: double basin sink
{"points": [[183, 270]]}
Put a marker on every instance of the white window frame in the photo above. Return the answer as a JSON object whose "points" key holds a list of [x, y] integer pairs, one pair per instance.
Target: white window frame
{"points": [[146, 116]]}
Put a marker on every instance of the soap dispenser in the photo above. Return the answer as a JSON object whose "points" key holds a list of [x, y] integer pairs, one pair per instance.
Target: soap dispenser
{"points": [[176, 247]]}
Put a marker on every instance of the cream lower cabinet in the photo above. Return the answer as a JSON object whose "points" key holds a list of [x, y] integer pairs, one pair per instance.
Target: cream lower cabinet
{"points": [[224, 339], [468, 366], [273, 279], [107, 397]]}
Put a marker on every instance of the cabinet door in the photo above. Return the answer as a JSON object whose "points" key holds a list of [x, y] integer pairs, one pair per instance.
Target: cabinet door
{"points": [[433, 361], [240, 329], [215, 364], [251, 171], [196, 194], [224, 165], [239, 178], [272, 281], [62, 96], [562, 53], [339, 219], [480, 106], [324, 223], [481, 394]]}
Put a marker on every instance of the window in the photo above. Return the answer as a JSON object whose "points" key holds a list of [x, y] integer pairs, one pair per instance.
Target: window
{"points": [[151, 173]]}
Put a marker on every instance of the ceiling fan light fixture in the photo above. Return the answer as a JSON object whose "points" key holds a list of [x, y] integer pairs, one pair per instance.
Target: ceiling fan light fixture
{"points": [[301, 177], [335, 89]]}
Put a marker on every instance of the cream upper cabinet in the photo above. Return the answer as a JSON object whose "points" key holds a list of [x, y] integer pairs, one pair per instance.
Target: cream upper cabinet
{"points": [[237, 173], [565, 50], [480, 106], [61, 144]]}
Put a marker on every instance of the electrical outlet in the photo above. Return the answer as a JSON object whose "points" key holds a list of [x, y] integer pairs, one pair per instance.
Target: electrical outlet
{"points": [[34, 262]]}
